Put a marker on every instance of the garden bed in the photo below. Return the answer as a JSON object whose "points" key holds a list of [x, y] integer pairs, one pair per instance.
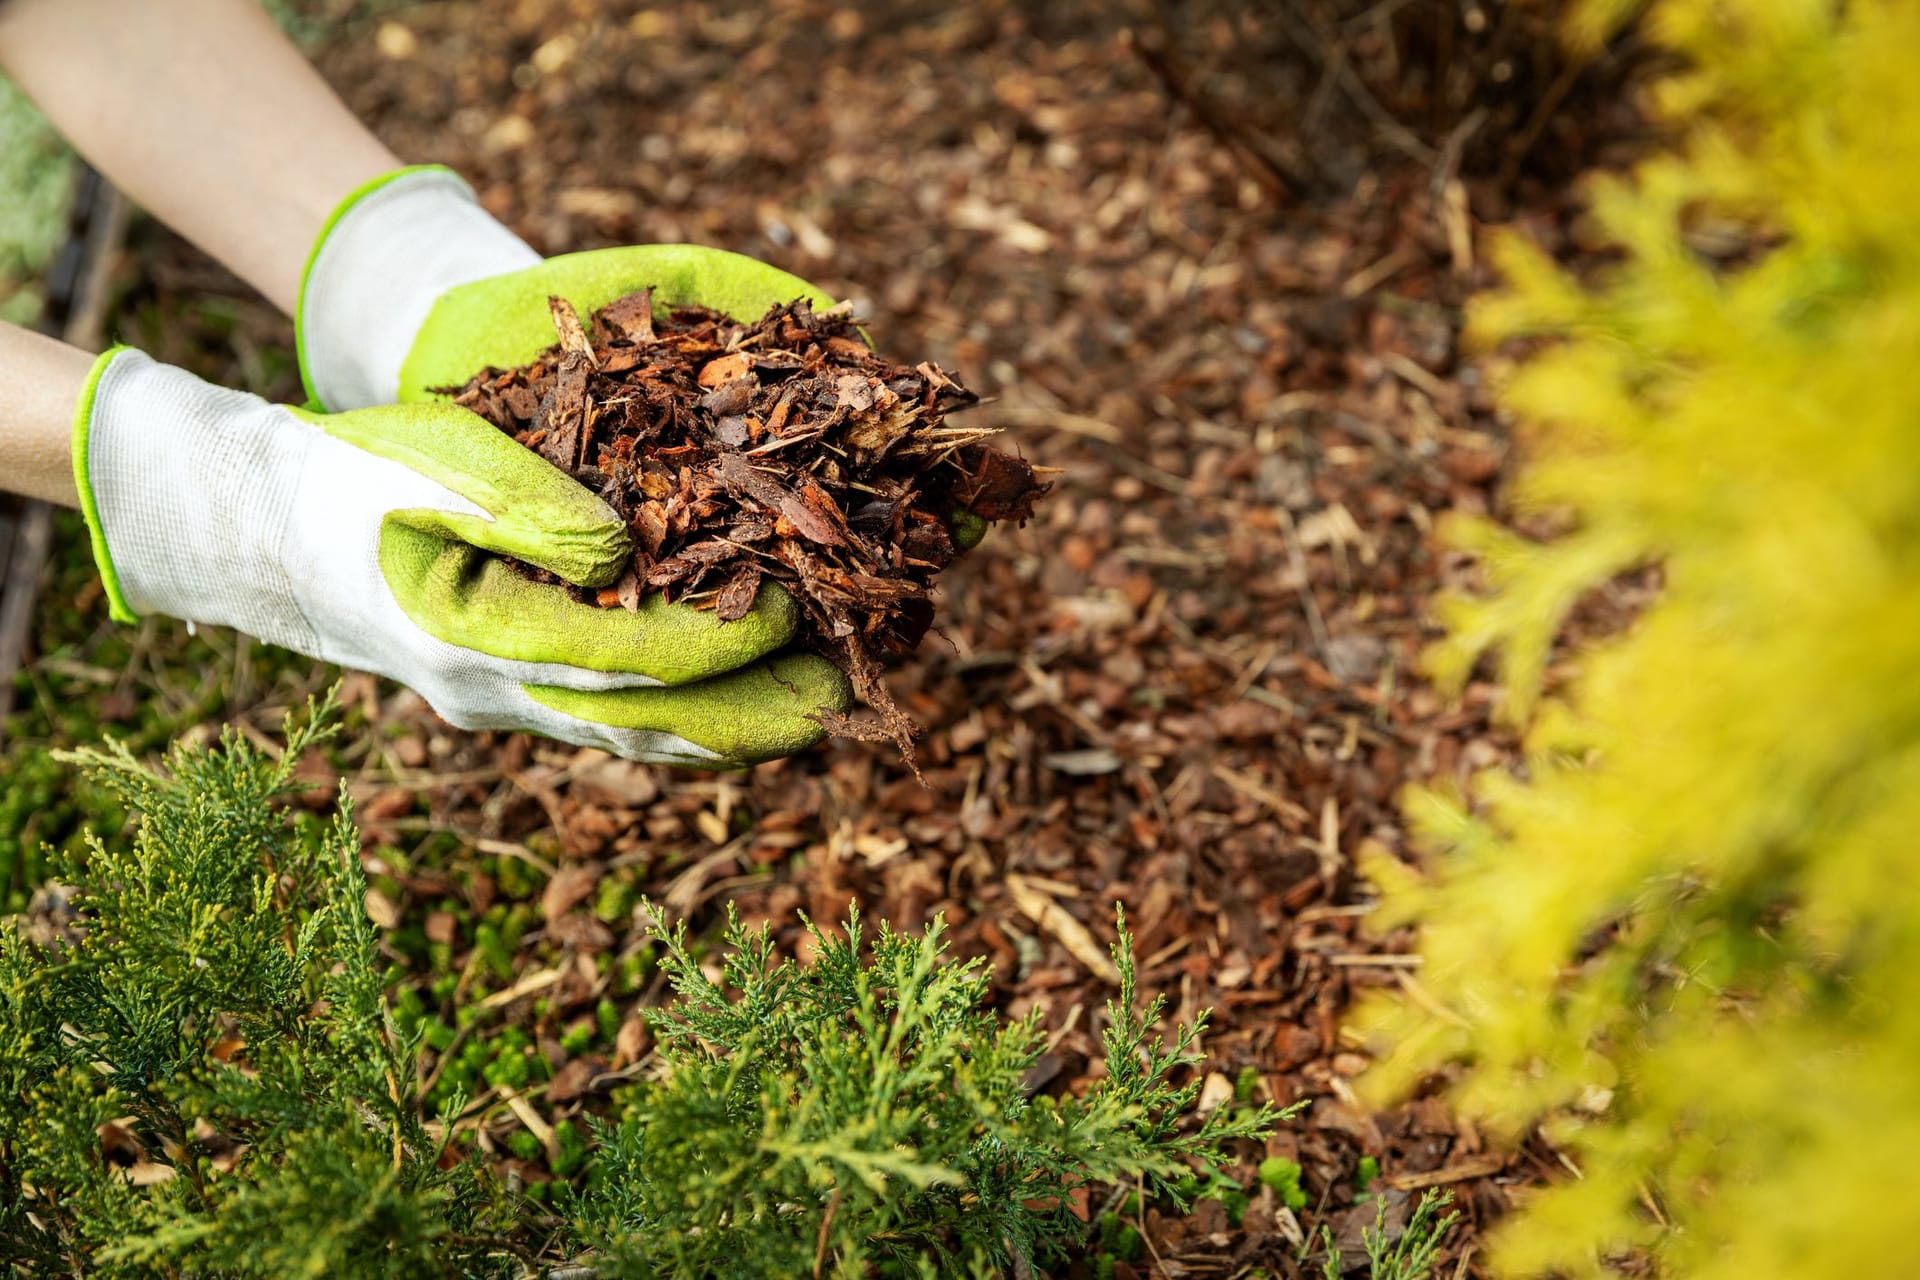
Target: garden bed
{"points": [[1188, 684]]}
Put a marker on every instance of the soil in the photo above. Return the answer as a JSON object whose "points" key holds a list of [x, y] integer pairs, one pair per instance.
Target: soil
{"points": [[1190, 683], [782, 449]]}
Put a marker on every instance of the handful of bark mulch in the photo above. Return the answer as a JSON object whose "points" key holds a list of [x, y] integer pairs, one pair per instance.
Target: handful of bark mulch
{"points": [[784, 449]]}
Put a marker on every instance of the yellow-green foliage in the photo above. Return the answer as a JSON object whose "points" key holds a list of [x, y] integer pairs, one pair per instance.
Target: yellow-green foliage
{"points": [[1691, 935]]}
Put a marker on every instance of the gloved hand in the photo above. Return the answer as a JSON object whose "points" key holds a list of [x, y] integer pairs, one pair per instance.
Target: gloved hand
{"points": [[361, 538]]}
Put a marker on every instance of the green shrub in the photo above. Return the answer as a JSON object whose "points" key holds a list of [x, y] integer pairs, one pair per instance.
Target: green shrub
{"points": [[201, 1074], [865, 1110], [1688, 934], [199, 1078]]}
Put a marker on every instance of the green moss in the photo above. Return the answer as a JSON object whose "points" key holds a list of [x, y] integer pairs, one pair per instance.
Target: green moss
{"points": [[520, 918], [515, 879], [570, 1149], [511, 1070], [578, 1038], [493, 952], [613, 901], [1283, 1175], [634, 972]]}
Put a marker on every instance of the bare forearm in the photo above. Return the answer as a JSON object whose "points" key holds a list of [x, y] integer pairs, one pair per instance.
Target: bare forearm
{"points": [[40, 383], [203, 112]]}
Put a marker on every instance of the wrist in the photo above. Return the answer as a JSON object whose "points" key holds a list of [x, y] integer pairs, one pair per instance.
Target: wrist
{"points": [[387, 254]]}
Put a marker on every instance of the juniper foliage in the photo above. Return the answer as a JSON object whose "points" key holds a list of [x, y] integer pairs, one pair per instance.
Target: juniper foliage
{"points": [[1407, 1255], [866, 1111], [199, 1077]]}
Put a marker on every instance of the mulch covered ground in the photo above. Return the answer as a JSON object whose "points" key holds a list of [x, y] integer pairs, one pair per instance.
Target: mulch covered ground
{"points": [[1189, 685]]}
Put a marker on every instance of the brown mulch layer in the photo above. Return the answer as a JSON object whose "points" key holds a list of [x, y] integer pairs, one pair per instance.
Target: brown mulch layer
{"points": [[781, 449], [1190, 683]]}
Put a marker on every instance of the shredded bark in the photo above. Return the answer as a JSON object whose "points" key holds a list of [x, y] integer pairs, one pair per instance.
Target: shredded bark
{"points": [[783, 450]]}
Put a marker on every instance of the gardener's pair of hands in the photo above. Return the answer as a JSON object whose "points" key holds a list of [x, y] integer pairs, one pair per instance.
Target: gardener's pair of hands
{"points": [[362, 534]]}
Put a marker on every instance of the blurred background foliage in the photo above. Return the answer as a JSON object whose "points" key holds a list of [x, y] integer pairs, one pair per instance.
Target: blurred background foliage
{"points": [[1684, 936], [36, 172]]}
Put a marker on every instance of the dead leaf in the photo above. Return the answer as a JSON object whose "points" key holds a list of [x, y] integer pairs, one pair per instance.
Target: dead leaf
{"points": [[631, 1041], [580, 931], [381, 911], [572, 1079]]}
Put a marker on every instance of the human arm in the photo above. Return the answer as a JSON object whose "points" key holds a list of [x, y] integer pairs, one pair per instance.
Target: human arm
{"points": [[40, 380], [204, 113]]}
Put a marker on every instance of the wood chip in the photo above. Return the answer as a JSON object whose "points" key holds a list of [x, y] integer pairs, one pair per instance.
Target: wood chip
{"points": [[1460, 1171], [853, 480], [566, 323], [1053, 918]]}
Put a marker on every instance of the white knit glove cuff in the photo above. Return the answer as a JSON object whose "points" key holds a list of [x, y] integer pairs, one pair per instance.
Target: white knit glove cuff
{"points": [[389, 252], [188, 489]]}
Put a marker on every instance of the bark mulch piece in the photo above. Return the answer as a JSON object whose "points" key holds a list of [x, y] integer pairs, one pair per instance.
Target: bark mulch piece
{"points": [[783, 450]]}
